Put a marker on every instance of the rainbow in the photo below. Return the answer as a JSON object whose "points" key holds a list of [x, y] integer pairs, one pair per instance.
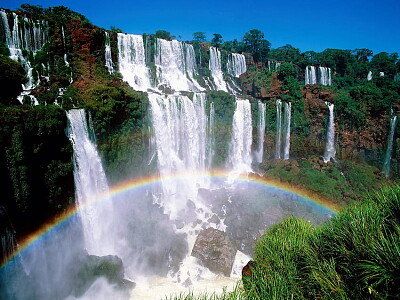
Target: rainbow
{"points": [[57, 222]]}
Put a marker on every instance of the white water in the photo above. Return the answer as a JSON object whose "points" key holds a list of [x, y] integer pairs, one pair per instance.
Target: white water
{"points": [[389, 149], [26, 35], [260, 132], [381, 74], [236, 64], [330, 149], [310, 75], [176, 66], [325, 76], [132, 61], [369, 76], [286, 127], [273, 66], [90, 185], [216, 71], [240, 146], [180, 131], [278, 132], [108, 57]]}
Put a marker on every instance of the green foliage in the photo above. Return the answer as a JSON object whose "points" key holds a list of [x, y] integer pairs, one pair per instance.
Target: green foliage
{"points": [[354, 256], [199, 37], [286, 70], [351, 113], [256, 44], [12, 75], [163, 34], [217, 40]]}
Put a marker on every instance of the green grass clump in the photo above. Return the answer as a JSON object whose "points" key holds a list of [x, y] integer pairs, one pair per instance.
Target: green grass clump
{"points": [[354, 256]]}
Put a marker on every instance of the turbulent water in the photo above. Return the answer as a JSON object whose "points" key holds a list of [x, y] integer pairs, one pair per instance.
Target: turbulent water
{"points": [[322, 75], [90, 185], [278, 131], [286, 126], [236, 64], [108, 58], [216, 70], [240, 146], [330, 149], [389, 149], [260, 132]]}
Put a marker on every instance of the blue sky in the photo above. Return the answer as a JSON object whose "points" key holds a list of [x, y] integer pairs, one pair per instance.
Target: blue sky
{"points": [[307, 24]]}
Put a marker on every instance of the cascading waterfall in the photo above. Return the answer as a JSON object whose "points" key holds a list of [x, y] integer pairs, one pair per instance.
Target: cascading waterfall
{"points": [[180, 130], [176, 65], [381, 74], [216, 71], [369, 76], [240, 146], [236, 64], [325, 76], [90, 184], [108, 57], [260, 132], [389, 149], [273, 65], [132, 61], [26, 35], [278, 132], [310, 75], [286, 126], [330, 150]]}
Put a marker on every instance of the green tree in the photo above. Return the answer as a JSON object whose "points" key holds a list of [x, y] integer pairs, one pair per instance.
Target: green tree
{"points": [[12, 75], [163, 34], [199, 37], [286, 70], [256, 44], [286, 53], [337, 59], [34, 10], [217, 40], [385, 62]]}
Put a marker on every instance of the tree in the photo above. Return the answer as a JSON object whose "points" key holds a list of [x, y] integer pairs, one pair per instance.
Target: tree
{"points": [[199, 37], [217, 40], [286, 53], [256, 44], [163, 34], [337, 59], [385, 62], [34, 10], [362, 55], [12, 76]]}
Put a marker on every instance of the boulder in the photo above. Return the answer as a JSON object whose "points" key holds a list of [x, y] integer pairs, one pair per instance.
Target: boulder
{"points": [[215, 250]]}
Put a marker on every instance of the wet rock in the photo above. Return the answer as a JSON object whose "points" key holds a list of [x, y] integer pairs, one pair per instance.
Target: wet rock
{"points": [[214, 219], [215, 250], [92, 267]]}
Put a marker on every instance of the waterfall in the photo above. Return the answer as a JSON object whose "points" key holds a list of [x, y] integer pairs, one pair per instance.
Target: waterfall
{"points": [[236, 64], [108, 58], [176, 66], [26, 35], [278, 133], [240, 146], [90, 185], [325, 76], [310, 75], [330, 150], [180, 131], [216, 71], [381, 74], [260, 132], [273, 65], [286, 127], [211, 136], [132, 61], [369, 76], [389, 149]]}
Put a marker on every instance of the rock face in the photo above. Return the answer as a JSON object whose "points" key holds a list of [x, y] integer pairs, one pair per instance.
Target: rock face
{"points": [[215, 251]]}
